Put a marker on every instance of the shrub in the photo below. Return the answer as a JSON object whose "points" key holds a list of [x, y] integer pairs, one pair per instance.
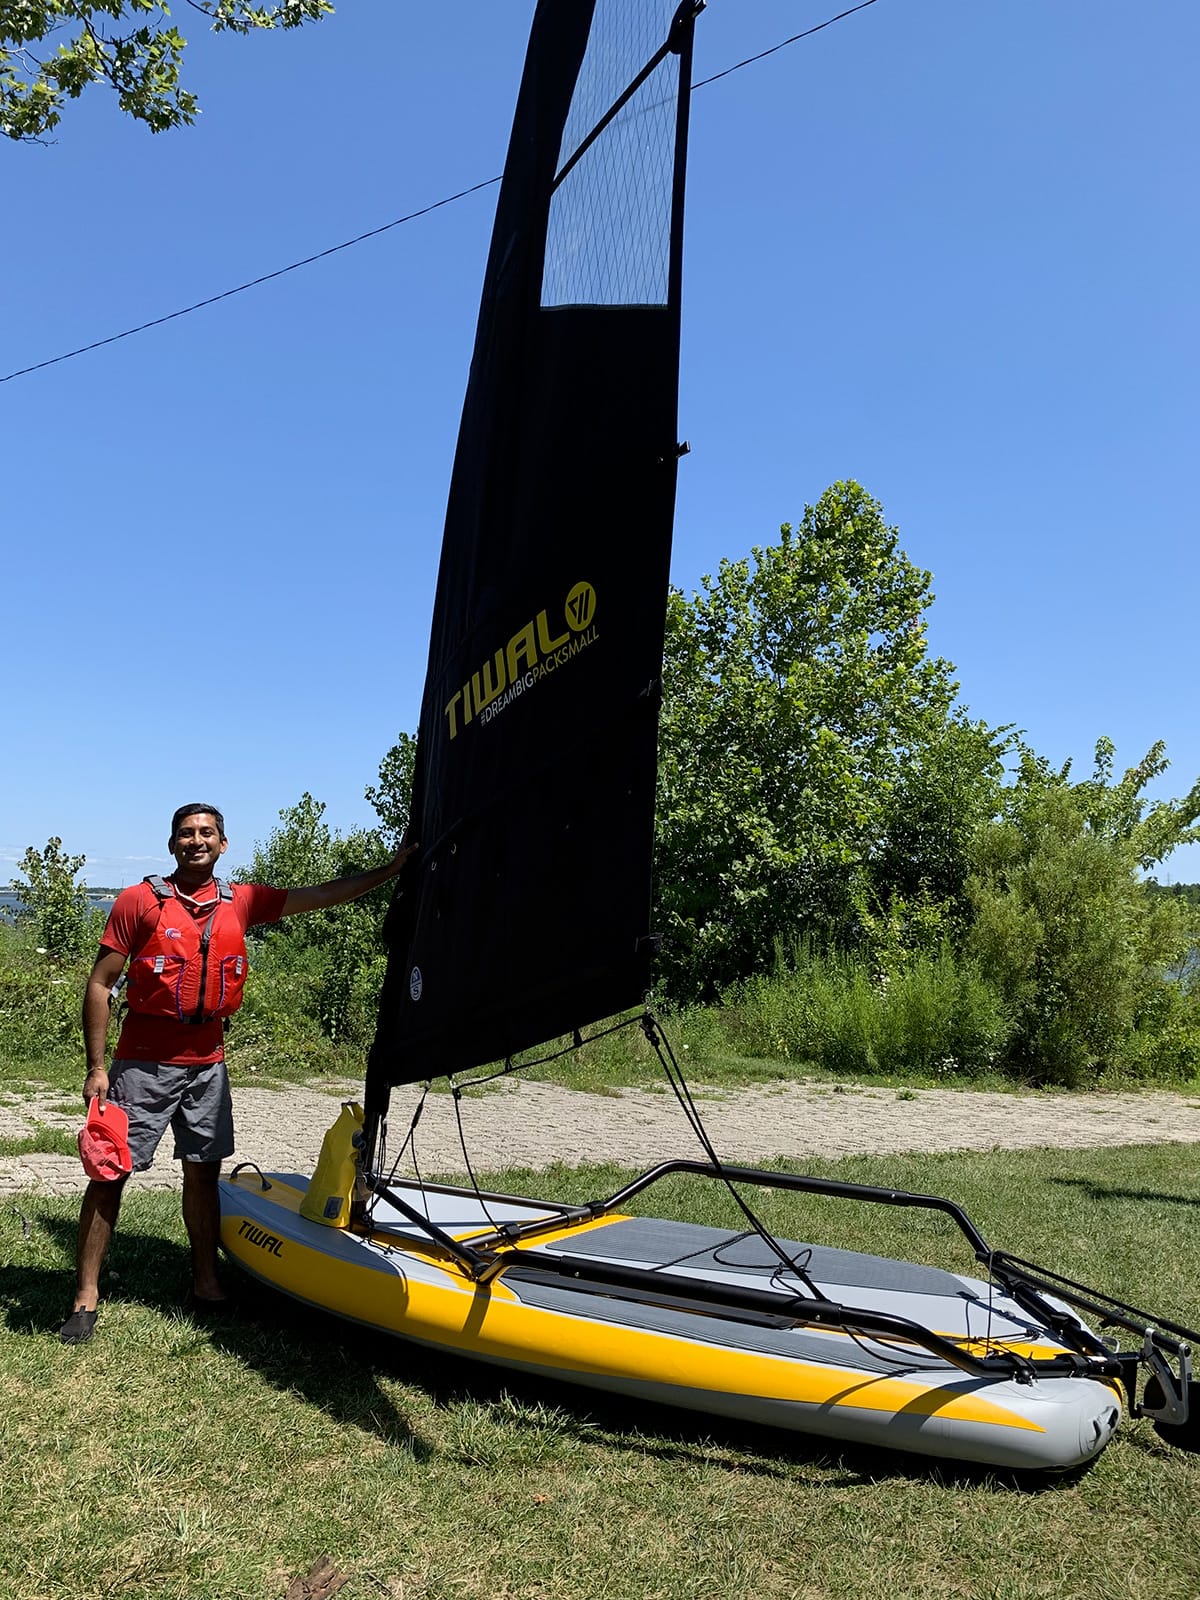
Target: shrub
{"points": [[1065, 930], [943, 1017], [313, 990], [930, 1013], [54, 905], [40, 999]]}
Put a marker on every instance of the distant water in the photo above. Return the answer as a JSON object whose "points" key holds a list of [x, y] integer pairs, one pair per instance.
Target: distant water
{"points": [[10, 903]]}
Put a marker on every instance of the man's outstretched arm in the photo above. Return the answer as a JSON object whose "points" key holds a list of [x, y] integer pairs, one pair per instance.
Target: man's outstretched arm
{"points": [[338, 890]]}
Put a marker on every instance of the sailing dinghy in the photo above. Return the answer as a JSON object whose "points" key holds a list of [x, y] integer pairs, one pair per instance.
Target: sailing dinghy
{"points": [[527, 918]]}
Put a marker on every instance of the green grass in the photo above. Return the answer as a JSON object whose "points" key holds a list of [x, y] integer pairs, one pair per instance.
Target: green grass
{"points": [[35, 1074], [42, 1141], [170, 1461]]}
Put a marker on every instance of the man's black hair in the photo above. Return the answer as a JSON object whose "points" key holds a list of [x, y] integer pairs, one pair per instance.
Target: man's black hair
{"points": [[191, 811]]}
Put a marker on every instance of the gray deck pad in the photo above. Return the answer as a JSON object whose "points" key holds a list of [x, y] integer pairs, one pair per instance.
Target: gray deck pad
{"points": [[709, 1252]]}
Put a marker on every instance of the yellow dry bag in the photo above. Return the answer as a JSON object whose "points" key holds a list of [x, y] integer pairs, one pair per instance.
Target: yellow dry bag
{"points": [[332, 1188]]}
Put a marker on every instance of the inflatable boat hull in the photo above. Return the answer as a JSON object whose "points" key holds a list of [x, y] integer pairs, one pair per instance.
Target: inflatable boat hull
{"points": [[754, 1367]]}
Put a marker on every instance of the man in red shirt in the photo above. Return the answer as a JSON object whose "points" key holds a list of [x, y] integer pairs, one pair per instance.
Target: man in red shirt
{"points": [[184, 937]]}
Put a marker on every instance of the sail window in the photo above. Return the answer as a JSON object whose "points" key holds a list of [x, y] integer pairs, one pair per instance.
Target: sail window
{"points": [[609, 236]]}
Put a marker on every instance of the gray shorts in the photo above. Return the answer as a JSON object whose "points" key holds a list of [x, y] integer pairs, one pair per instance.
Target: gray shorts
{"points": [[195, 1100]]}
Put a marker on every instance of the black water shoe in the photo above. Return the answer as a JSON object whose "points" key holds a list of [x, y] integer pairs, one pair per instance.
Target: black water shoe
{"points": [[79, 1327], [203, 1308]]}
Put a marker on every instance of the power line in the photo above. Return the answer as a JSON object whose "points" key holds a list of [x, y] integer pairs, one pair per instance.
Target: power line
{"points": [[157, 322], [782, 45], [373, 233]]}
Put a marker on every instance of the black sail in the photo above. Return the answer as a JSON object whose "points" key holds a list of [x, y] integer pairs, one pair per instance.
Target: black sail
{"points": [[528, 914]]}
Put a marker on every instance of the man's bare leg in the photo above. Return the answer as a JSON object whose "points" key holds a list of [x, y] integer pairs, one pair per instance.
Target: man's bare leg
{"points": [[97, 1220], [202, 1219]]}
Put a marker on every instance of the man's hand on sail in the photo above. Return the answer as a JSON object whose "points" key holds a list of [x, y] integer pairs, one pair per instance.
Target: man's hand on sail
{"points": [[405, 851]]}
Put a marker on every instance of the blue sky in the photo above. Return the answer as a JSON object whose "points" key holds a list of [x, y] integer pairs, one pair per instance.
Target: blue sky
{"points": [[948, 249]]}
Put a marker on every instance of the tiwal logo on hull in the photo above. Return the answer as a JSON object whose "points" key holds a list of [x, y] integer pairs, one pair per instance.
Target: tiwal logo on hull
{"points": [[260, 1237], [533, 652]]}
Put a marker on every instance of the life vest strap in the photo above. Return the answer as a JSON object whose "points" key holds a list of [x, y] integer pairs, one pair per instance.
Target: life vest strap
{"points": [[165, 889]]}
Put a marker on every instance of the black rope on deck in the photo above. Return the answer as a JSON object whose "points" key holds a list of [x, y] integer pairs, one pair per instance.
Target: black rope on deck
{"points": [[661, 1046]]}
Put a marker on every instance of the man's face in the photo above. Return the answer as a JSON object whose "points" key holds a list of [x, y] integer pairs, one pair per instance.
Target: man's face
{"points": [[197, 845]]}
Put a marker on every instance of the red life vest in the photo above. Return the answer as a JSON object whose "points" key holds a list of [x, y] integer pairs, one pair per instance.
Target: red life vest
{"points": [[193, 971]]}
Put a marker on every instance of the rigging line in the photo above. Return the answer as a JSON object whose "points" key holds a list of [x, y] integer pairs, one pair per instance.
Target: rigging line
{"points": [[412, 1156], [622, 100], [683, 1094], [466, 1154], [510, 1066], [881, 1346], [782, 45], [212, 300], [372, 233], [410, 1139], [381, 1157]]}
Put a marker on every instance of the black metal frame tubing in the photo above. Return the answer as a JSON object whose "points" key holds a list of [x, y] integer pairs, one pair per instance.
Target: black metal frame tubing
{"points": [[498, 1249]]}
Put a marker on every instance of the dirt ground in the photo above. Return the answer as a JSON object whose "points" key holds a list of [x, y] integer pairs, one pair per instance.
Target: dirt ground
{"points": [[536, 1124]]}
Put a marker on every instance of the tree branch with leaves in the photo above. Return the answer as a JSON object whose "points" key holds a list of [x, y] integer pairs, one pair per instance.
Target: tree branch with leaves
{"points": [[52, 50]]}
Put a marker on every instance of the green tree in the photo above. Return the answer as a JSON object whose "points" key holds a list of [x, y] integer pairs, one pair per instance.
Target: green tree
{"points": [[1083, 952], [66, 926], [51, 50], [330, 962], [392, 795], [1190, 892], [915, 890], [798, 691]]}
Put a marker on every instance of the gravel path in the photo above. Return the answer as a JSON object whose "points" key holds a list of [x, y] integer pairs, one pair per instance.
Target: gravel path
{"points": [[537, 1124]]}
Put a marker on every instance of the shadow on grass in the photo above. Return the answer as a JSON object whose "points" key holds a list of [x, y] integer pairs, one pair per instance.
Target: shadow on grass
{"points": [[150, 1270], [1095, 1190], [609, 1421], [671, 1435]]}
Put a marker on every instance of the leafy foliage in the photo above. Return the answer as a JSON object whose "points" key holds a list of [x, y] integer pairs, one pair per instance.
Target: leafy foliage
{"points": [[51, 50], [798, 696], [328, 965], [39, 1003], [392, 795], [1082, 953], [55, 904], [845, 876], [933, 1016], [1188, 892], [915, 893]]}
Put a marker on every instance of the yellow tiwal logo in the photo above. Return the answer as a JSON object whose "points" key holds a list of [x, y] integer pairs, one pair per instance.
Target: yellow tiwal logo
{"points": [[533, 651], [581, 606]]}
